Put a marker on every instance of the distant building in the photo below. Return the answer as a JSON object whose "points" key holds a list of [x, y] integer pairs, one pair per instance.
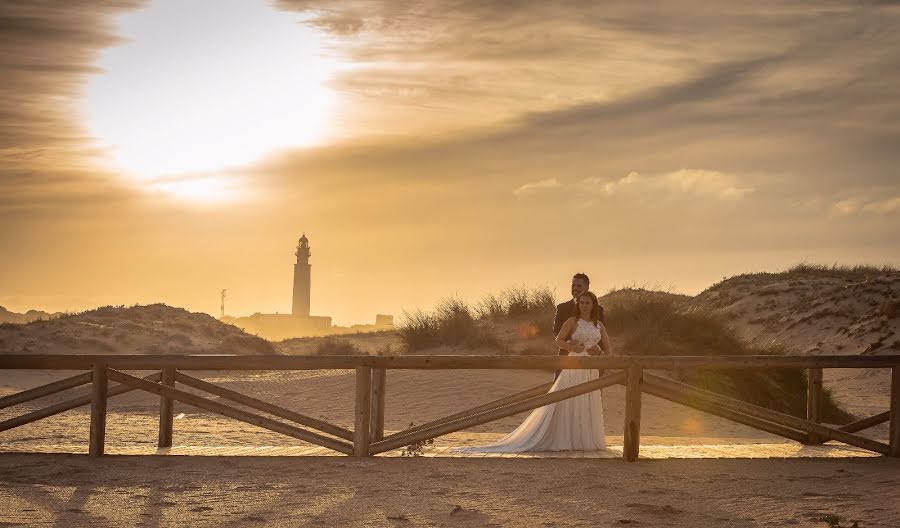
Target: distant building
{"points": [[302, 276], [298, 323]]}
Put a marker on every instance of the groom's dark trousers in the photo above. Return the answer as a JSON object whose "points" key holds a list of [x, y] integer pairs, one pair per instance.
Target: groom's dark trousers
{"points": [[563, 312]]}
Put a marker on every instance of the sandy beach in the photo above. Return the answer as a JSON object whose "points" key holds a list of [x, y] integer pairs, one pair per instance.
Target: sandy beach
{"points": [[72, 490], [67, 490]]}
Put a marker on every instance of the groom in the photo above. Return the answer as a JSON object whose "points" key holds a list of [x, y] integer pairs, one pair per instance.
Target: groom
{"points": [[580, 284]]}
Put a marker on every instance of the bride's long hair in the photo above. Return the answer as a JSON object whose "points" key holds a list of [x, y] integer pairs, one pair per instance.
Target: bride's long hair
{"points": [[595, 308]]}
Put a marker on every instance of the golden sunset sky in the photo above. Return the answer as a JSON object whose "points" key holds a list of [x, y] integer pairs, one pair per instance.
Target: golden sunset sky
{"points": [[160, 151]]}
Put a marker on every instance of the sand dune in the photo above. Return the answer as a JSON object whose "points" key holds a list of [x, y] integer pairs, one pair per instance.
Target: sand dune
{"points": [[151, 329]]}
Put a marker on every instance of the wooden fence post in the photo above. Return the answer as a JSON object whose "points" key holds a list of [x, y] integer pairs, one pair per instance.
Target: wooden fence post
{"points": [[363, 411], [166, 409], [895, 412], [99, 386], [814, 401], [379, 381], [632, 445]]}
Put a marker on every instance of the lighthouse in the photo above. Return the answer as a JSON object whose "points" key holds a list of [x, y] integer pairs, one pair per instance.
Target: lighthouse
{"points": [[302, 279]]}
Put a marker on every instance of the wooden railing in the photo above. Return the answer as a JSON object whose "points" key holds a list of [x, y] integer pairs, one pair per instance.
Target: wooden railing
{"points": [[368, 438]]}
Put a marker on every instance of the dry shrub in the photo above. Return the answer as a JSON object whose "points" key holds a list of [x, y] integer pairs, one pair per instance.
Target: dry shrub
{"points": [[451, 324], [331, 346]]}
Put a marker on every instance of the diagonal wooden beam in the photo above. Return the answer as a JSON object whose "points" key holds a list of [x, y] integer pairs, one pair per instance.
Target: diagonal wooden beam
{"points": [[650, 387], [495, 414], [266, 407], [865, 423], [827, 433], [230, 412], [67, 405], [45, 390], [500, 402]]}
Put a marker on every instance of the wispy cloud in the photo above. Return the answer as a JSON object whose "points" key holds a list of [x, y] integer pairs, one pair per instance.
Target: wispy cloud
{"points": [[537, 186], [853, 206], [888, 206], [685, 181]]}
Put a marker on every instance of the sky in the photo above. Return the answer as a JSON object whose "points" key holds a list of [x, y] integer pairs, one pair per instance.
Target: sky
{"points": [[160, 151]]}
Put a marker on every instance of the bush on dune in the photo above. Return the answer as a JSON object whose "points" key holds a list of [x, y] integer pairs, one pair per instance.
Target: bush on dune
{"points": [[454, 323], [805, 270], [518, 301], [645, 323], [331, 346], [451, 324]]}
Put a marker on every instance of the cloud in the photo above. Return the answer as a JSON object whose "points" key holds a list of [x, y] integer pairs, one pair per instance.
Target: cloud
{"points": [[702, 182], [538, 186], [845, 207], [685, 181], [47, 53], [889, 206], [853, 206]]}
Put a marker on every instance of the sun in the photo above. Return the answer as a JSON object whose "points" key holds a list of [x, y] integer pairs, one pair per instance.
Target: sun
{"points": [[198, 87]]}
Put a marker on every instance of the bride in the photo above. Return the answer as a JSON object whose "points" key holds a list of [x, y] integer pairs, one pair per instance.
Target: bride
{"points": [[575, 424]]}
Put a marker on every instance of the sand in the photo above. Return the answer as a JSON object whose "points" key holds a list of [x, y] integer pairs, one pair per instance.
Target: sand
{"points": [[67, 490], [73, 490]]}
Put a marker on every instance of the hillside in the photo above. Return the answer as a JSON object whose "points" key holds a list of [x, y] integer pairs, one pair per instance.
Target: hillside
{"points": [[151, 329], [814, 310], [7, 316]]}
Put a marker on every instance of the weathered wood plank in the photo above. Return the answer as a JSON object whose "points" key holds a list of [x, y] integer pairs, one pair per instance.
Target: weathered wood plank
{"points": [[379, 384], [814, 401], [632, 444], [549, 363], [866, 423], [99, 387], [397, 441], [363, 412], [45, 390], [263, 406], [231, 412], [166, 409], [895, 413], [500, 402]]}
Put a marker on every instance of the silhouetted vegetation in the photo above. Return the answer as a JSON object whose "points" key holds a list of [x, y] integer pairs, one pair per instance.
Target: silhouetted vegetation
{"points": [[331, 346], [451, 324], [805, 270], [517, 302]]}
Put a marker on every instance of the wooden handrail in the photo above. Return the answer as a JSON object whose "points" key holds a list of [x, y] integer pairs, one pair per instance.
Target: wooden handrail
{"points": [[368, 434], [550, 363]]}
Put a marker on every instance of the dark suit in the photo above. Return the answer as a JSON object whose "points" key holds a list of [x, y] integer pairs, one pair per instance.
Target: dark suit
{"points": [[563, 312]]}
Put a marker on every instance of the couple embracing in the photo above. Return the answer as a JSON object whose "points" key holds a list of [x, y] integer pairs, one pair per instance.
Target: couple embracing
{"points": [[575, 424]]}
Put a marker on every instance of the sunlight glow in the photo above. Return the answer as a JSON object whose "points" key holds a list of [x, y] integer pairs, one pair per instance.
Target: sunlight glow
{"points": [[208, 189], [203, 85]]}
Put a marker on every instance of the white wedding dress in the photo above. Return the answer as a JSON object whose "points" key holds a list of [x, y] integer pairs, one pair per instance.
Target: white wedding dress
{"points": [[575, 424]]}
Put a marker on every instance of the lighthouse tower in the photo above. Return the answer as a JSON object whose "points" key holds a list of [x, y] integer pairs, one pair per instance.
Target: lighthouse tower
{"points": [[302, 279]]}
